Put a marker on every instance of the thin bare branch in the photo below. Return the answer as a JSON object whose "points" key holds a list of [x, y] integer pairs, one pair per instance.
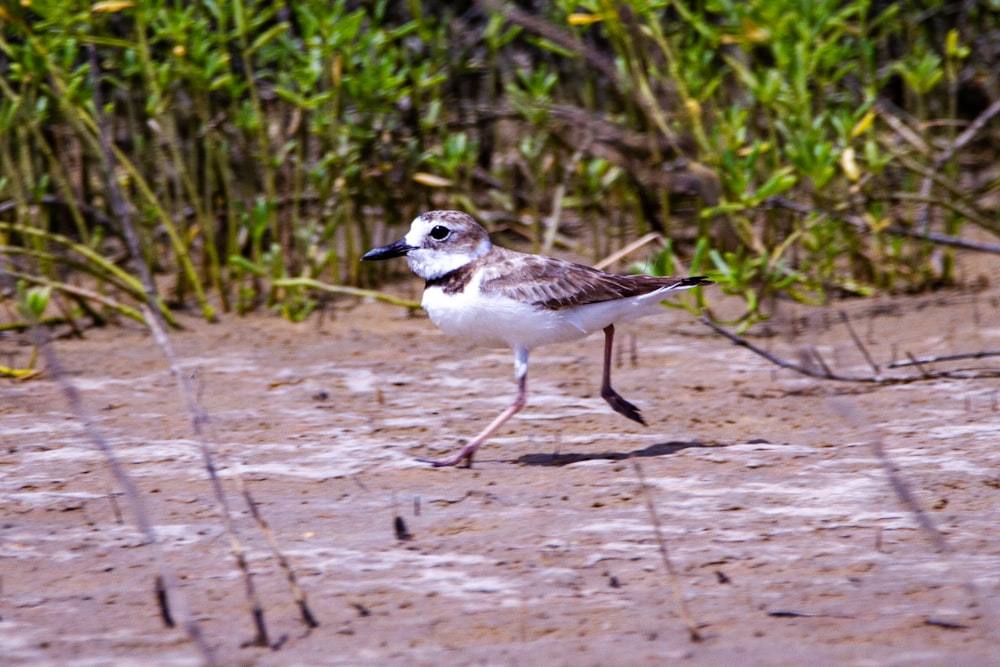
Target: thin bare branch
{"points": [[899, 486], [888, 114], [344, 289], [198, 417], [628, 250], [954, 205], [857, 342], [76, 290], [675, 581], [552, 226], [171, 600], [906, 497], [923, 219], [944, 357], [153, 320], [298, 594], [924, 373], [825, 373], [969, 133], [941, 239], [818, 358], [778, 361]]}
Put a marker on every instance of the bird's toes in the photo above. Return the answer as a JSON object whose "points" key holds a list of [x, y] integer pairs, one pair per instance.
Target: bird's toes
{"points": [[448, 462], [622, 406]]}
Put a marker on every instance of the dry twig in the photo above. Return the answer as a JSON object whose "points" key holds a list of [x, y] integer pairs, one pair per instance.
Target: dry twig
{"points": [[899, 486], [919, 361], [857, 342], [825, 373], [675, 581], [173, 606], [946, 155], [925, 523], [197, 416]]}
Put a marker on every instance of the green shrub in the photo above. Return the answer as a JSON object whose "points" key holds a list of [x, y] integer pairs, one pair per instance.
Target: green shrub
{"points": [[789, 148]]}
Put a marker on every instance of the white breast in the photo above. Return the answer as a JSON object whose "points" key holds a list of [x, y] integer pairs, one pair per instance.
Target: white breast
{"points": [[486, 320]]}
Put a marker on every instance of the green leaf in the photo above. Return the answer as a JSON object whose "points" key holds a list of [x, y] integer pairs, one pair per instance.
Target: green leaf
{"points": [[243, 263], [267, 36], [781, 181]]}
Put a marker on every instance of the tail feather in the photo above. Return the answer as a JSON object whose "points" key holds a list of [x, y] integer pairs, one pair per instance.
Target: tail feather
{"points": [[694, 281]]}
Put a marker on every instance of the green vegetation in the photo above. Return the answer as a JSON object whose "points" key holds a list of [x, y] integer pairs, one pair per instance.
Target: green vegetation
{"points": [[788, 148]]}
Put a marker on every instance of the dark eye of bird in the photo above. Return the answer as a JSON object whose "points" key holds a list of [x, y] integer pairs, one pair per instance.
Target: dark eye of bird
{"points": [[440, 233]]}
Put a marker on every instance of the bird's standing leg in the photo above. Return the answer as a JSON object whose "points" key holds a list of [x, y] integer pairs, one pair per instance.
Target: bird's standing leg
{"points": [[617, 403], [521, 374]]}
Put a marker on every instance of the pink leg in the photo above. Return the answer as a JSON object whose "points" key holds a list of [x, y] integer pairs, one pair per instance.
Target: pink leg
{"points": [[466, 453], [617, 403]]}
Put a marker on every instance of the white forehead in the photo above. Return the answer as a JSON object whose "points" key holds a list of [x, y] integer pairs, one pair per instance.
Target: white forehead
{"points": [[419, 229]]}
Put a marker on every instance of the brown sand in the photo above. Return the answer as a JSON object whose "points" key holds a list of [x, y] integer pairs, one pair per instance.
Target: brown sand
{"points": [[791, 546]]}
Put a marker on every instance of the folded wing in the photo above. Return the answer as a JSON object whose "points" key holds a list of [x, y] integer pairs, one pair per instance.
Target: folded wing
{"points": [[556, 284]]}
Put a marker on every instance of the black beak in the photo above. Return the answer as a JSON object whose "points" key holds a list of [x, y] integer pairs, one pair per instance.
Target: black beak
{"points": [[397, 249]]}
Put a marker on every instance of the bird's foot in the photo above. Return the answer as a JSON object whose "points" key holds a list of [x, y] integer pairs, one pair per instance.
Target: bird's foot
{"points": [[622, 406], [454, 460]]}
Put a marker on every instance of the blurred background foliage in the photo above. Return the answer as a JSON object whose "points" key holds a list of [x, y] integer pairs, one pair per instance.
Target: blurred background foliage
{"points": [[790, 148]]}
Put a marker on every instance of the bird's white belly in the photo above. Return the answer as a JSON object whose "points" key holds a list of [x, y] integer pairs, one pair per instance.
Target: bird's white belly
{"points": [[499, 321], [491, 320]]}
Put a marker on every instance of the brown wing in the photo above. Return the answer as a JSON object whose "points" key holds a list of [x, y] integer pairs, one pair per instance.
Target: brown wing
{"points": [[556, 284]]}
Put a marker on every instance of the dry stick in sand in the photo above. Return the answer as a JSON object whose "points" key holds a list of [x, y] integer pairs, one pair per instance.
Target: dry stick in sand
{"points": [[177, 613], [198, 417], [298, 594], [919, 361], [167, 584], [122, 213], [857, 342], [675, 581], [899, 486], [904, 494], [825, 373]]}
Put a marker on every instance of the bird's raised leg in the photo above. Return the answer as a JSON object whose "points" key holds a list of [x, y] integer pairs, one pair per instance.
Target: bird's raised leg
{"points": [[617, 403], [467, 452]]}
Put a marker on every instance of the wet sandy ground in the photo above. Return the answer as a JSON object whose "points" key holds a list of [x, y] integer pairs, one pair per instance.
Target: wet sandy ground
{"points": [[791, 546]]}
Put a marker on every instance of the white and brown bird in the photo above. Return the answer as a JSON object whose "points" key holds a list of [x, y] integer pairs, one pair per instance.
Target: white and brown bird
{"points": [[499, 297]]}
